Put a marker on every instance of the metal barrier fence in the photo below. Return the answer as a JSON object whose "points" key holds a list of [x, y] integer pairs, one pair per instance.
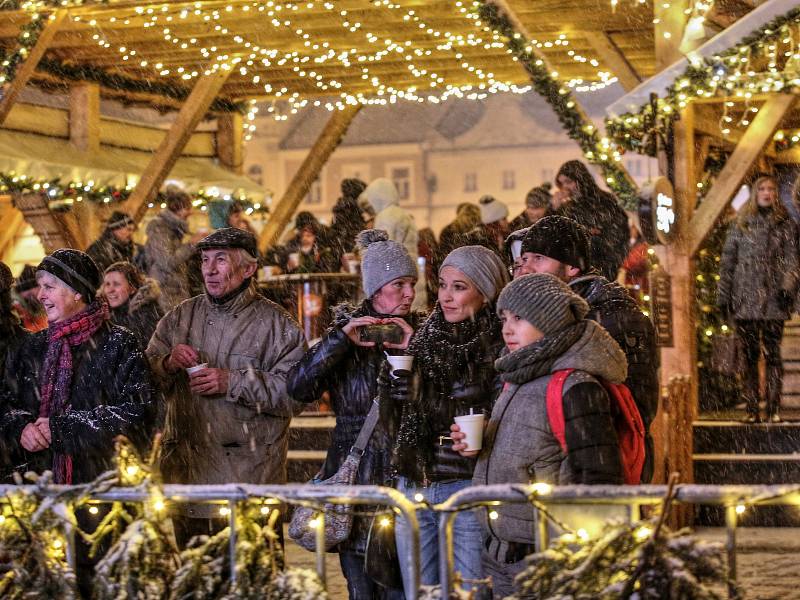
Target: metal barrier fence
{"points": [[734, 498]]}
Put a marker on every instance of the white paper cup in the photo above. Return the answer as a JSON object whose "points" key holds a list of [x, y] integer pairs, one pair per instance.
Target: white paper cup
{"points": [[192, 370], [400, 363], [294, 260], [472, 428], [352, 266]]}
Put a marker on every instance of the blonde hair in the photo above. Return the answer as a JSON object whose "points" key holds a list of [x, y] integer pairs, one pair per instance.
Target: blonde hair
{"points": [[751, 206]]}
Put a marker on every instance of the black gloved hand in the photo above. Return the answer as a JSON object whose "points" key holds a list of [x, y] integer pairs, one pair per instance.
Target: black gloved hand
{"points": [[785, 300], [394, 388]]}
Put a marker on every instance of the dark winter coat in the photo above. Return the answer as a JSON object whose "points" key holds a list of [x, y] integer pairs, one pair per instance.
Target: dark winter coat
{"points": [[168, 257], [349, 374], [107, 250], [599, 212], [141, 313], [759, 261], [111, 394], [612, 307], [519, 446]]}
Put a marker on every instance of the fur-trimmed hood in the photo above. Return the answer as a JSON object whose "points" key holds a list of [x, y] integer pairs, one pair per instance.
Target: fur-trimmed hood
{"points": [[149, 292]]}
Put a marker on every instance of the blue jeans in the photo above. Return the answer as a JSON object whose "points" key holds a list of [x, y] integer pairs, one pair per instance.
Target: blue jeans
{"points": [[467, 535]]}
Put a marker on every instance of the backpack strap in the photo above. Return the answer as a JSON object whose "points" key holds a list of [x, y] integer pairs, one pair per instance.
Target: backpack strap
{"points": [[555, 405]]}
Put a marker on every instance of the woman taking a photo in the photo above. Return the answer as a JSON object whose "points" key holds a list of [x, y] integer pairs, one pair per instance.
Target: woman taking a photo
{"points": [[758, 280], [454, 353]]}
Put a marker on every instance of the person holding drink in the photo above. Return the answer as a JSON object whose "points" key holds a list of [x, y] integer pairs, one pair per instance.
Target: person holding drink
{"points": [[453, 376]]}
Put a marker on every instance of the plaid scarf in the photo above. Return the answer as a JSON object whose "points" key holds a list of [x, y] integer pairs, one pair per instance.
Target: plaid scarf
{"points": [[56, 379]]}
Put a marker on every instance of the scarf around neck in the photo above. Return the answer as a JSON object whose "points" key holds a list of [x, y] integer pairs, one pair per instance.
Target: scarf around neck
{"points": [[535, 360], [56, 378]]}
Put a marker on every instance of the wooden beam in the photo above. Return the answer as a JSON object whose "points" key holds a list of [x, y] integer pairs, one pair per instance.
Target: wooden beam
{"points": [[326, 143], [193, 110], [230, 141], [84, 116], [27, 68], [758, 135], [613, 58], [9, 227], [55, 230]]}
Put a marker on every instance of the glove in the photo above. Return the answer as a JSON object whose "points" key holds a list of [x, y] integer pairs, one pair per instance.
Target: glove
{"points": [[394, 389], [785, 300]]}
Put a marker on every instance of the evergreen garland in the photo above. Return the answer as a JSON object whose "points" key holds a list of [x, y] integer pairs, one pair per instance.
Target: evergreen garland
{"points": [[28, 36], [598, 151]]}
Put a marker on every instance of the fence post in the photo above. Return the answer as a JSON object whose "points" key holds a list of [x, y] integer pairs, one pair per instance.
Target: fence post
{"points": [[730, 547], [232, 542], [319, 548], [446, 563]]}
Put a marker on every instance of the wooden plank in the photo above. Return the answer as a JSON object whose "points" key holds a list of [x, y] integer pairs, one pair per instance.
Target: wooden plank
{"points": [[758, 135], [611, 56], [84, 117], [53, 230], [9, 227], [28, 66], [193, 110], [230, 141], [326, 143]]}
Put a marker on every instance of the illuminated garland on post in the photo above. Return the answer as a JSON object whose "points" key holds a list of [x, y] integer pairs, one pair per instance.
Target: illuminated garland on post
{"points": [[597, 150], [712, 77], [28, 36]]}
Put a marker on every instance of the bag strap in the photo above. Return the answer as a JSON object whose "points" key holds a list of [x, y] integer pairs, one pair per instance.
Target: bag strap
{"points": [[555, 405], [366, 429]]}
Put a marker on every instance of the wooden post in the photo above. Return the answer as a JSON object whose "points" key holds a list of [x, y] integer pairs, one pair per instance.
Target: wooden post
{"points": [[612, 57], [9, 227], [84, 116], [747, 151], [326, 143], [192, 111], [55, 230], [27, 68], [229, 138]]}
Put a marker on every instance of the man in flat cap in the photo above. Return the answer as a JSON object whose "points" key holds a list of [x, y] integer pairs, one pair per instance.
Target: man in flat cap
{"points": [[227, 421]]}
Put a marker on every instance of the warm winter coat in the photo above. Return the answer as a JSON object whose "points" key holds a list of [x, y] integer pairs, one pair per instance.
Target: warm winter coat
{"points": [[168, 257], [242, 435], [107, 250], [141, 313], [111, 394], [612, 307], [759, 261], [519, 446], [599, 212], [349, 374]]}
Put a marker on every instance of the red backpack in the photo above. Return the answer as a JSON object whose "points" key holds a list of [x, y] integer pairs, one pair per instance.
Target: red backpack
{"points": [[627, 421]]}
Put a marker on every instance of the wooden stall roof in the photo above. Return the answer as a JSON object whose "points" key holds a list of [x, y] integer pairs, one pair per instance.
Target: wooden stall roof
{"points": [[154, 52]]}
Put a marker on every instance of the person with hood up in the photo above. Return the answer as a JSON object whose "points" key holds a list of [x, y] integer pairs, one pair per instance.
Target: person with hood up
{"points": [[168, 257], [397, 222], [757, 289], [493, 229], [347, 220], [545, 330], [582, 200], [347, 367], [537, 205], [453, 374], [116, 243], [228, 421], [561, 247], [133, 300]]}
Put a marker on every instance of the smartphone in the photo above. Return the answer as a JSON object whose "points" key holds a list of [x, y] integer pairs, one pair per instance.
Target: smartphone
{"points": [[387, 332]]}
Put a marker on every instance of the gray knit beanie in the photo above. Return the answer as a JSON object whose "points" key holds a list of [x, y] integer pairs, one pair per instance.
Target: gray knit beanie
{"points": [[382, 260], [544, 301], [483, 267]]}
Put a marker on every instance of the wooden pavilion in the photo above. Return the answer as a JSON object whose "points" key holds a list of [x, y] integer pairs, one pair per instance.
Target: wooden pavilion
{"points": [[212, 60]]}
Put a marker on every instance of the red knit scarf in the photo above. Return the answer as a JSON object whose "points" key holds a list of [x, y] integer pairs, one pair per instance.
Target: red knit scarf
{"points": [[56, 379]]}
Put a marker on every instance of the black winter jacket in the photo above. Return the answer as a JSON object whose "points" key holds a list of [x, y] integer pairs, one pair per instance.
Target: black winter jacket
{"points": [[141, 313], [112, 394], [612, 307], [107, 250]]}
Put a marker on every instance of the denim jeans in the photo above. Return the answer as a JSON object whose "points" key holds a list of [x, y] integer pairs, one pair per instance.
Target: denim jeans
{"points": [[467, 535]]}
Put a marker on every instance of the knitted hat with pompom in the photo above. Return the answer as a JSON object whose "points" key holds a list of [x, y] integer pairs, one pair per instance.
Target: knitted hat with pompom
{"points": [[382, 260]]}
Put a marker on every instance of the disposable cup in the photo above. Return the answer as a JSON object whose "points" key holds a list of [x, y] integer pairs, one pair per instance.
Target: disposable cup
{"points": [[352, 266], [192, 370], [400, 363], [294, 258], [472, 428]]}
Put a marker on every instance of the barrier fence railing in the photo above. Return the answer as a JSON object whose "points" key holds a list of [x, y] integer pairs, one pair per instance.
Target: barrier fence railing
{"points": [[735, 499]]}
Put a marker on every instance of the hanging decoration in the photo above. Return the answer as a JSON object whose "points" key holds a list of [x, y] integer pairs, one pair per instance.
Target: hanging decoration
{"points": [[597, 150], [735, 73]]}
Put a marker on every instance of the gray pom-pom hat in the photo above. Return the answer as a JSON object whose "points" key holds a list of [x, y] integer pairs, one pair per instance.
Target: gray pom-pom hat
{"points": [[382, 260]]}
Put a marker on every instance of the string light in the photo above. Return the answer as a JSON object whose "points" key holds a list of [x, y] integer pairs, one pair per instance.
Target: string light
{"points": [[493, 515]]}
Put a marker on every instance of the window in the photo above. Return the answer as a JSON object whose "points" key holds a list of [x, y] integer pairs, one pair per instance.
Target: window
{"points": [[314, 195], [634, 167], [509, 180], [470, 182], [401, 177], [356, 171]]}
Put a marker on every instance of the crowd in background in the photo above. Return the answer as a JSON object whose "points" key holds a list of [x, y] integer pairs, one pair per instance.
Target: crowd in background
{"points": [[174, 336]]}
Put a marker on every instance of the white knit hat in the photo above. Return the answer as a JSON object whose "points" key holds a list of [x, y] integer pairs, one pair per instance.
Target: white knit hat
{"points": [[492, 210]]}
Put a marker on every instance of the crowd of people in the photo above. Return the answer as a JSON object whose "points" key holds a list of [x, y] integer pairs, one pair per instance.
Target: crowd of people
{"points": [[127, 349]]}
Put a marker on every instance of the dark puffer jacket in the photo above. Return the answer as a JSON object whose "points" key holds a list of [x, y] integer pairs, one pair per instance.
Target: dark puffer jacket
{"points": [[107, 250], [112, 394], [141, 313], [349, 373], [759, 262], [612, 307]]}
